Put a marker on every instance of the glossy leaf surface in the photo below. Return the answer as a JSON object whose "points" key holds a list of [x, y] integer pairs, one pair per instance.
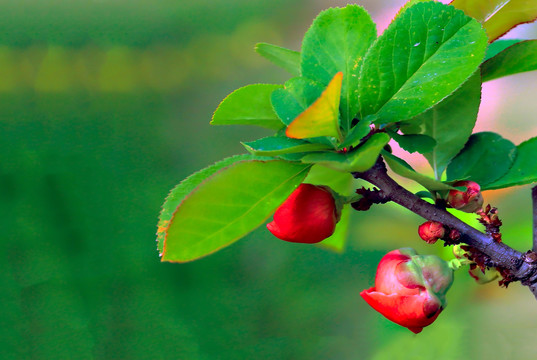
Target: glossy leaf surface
{"points": [[402, 168], [337, 41], [360, 159], [450, 123], [296, 96], [414, 142], [321, 117], [498, 46], [285, 58], [485, 158], [407, 72], [249, 105], [228, 205], [278, 145], [356, 134], [524, 169], [178, 194], [520, 57]]}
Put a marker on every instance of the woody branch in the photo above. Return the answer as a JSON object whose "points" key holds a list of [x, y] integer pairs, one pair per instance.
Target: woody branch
{"points": [[521, 266]]}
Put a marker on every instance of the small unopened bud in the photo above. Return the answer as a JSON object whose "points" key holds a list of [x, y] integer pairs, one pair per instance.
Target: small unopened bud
{"points": [[431, 231], [309, 215], [468, 201]]}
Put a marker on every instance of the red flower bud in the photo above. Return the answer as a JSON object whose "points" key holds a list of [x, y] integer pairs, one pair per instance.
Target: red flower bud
{"points": [[309, 215], [431, 231], [409, 288], [468, 201]]}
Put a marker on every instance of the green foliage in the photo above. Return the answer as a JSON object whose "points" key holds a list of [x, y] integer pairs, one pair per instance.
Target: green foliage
{"points": [[520, 57], [357, 133], [337, 41], [402, 168], [321, 118], [227, 205], [419, 83], [498, 46], [485, 158], [249, 105], [296, 96], [414, 142], [181, 191], [285, 58], [524, 169], [449, 123], [278, 145], [358, 160], [406, 72]]}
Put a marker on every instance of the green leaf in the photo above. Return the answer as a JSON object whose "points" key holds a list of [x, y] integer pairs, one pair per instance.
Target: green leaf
{"points": [[358, 160], [340, 182], [425, 195], [498, 46], [178, 194], [409, 4], [524, 169], [337, 41], [249, 105], [518, 58], [450, 123], [321, 117], [402, 168], [415, 64], [498, 16], [485, 158], [228, 205], [296, 96], [414, 142], [356, 134], [285, 58], [277, 145]]}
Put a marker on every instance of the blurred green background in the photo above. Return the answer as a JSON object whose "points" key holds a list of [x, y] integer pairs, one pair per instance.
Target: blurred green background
{"points": [[104, 107]]}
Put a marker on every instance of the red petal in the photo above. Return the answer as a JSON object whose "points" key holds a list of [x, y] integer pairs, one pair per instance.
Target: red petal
{"points": [[407, 311], [387, 281]]}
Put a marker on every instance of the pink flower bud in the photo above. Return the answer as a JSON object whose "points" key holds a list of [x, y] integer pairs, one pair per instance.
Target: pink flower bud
{"points": [[409, 288], [431, 231], [309, 215], [468, 201]]}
